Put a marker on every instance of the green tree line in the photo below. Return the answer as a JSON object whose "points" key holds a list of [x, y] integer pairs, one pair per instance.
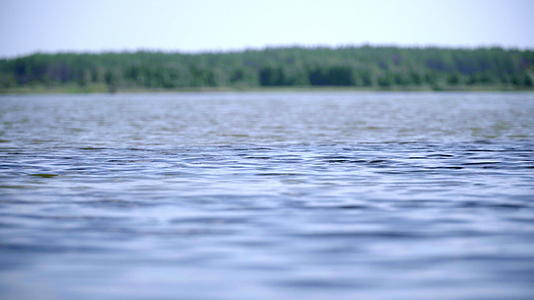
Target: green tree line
{"points": [[365, 66]]}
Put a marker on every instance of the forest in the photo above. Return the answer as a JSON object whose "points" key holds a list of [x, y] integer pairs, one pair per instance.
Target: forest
{"points": [[363, 67]]}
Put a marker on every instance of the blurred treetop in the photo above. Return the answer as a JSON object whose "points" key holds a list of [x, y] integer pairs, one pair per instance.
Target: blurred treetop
{"points": [[366, 67]]}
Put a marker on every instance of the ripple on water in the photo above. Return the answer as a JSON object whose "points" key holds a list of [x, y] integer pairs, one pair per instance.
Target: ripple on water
{"points": [[44, 175], [335, 196]]}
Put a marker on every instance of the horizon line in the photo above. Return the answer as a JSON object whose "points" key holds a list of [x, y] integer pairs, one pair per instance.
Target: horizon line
{"points": [[264, 48]]}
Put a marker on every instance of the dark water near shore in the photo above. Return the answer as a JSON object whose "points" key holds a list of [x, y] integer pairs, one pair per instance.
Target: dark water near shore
{"points": [[267, 196]]}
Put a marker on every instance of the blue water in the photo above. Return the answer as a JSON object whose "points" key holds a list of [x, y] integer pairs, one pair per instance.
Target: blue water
{"points": [[324, 195]]}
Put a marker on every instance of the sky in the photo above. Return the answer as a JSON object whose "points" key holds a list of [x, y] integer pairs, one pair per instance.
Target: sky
{"points": [[29, 26]]}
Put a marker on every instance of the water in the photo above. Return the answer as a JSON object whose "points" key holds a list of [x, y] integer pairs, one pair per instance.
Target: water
{"points": [[267, 196]]}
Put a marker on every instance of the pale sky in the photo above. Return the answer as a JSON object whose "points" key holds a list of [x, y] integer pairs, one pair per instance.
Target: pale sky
{"points": [[28, 26]]}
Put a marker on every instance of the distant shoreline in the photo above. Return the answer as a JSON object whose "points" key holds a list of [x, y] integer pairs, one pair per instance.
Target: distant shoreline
{"points": [[280, 69], [103, 89]]}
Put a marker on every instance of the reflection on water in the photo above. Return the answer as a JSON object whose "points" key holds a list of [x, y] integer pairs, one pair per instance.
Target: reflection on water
{"points": [[267, 196]]}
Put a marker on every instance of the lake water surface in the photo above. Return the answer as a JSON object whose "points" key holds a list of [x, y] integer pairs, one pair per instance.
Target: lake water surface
{"points": [[319, 195]]}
